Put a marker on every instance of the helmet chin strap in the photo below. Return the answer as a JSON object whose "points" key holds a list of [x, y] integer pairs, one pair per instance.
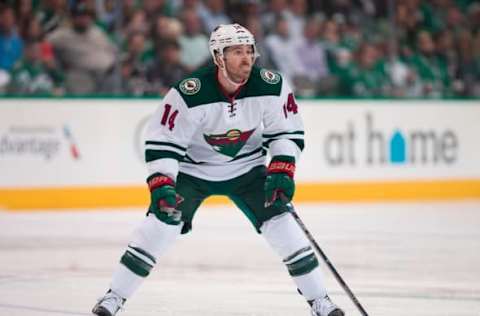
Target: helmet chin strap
{"points": [[223, 67]]}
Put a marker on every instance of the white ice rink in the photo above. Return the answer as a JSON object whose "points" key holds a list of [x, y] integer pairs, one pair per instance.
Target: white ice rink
{"points": [[399, 259]]}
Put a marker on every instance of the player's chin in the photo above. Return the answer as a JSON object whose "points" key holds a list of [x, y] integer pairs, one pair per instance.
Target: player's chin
{"points": [[245, 73]]}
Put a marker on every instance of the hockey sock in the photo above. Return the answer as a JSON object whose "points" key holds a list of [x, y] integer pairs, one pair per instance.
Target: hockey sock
{"points": [[151, 239], [290, 243]]}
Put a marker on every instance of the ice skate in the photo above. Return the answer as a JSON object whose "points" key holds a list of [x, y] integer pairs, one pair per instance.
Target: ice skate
{"points": [[108, 305], [325, 307]]}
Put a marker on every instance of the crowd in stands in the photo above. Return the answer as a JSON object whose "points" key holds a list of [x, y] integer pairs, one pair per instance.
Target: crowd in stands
{"points": [[326, 48]]}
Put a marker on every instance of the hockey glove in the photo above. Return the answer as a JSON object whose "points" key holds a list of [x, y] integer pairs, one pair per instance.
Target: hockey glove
{"points": [[164, 198], [279, 184]]}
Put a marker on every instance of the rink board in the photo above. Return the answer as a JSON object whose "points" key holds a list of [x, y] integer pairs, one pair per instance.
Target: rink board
{"points": [[81, 153]]}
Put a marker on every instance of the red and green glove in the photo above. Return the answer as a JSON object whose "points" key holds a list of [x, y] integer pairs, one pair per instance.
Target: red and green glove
{"points": [[279, 184], [164, 198]]}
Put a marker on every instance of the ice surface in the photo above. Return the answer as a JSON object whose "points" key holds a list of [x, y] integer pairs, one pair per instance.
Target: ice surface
{"points": [[399, 259]]}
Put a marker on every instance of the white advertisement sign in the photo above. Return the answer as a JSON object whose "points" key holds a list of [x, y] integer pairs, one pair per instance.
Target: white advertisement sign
{"points": [[71, 142], [97, 142], [383, 140]]}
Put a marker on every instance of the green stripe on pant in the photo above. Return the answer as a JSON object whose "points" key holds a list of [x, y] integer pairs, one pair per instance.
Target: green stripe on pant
{"points": [[135, 264], [303, 265]]}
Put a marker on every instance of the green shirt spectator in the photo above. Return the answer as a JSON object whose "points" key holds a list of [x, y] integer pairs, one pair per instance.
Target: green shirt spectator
{"points": [[368, 77], [341, 67], [431, 69], [31, 76]]}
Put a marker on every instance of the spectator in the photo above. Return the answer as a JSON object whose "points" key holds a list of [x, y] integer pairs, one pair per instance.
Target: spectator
{"points": [[313, 61], [155, 8], [23, 11], [134, 67], [404, 79], [369, 78], [180, 5], [32, 77], [350, 11], [405, 82], [129, 7], [254, 25], [212, 14], [282, 50], [342, 72], [275, 8], [431, 14], [11, 45], [193, 43], [84, 51], [339, 55], [469, 64], [137, 22], [473, 14], [475, 89], [52, 14], [331, 38], [242, 10], [166, 29], [445, 49], [351, 35], [31, 30], [455, 20], [435, 41], [137, 49], [167, 69], [106, 14], [296, 17], [408, 21], [430, 68]]}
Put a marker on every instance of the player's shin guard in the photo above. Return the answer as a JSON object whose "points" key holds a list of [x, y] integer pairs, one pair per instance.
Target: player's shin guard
{"points": [[290, 243], [151, 239]]}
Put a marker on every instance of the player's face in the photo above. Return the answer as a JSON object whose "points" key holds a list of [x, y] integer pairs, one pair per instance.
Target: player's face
{"points": [[238, 61]]}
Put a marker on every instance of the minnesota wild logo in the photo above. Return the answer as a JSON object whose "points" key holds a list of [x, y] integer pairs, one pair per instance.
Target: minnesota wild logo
{"points": [[230, 143], [190, 86], [269, 76]]}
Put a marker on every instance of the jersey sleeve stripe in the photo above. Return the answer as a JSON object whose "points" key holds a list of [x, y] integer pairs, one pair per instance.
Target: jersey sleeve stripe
{"points": [[299, 142], [166, 148], [251, 153], [152, 154], [283, 133], [295, 136], [151, 142], [189, 159]]}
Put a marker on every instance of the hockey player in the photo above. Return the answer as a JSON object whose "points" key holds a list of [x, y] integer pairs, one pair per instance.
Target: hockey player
{"points": [[210, 135]]}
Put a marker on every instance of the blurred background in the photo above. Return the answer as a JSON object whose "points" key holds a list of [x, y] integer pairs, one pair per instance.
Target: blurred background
{"points": [[326, 48]]}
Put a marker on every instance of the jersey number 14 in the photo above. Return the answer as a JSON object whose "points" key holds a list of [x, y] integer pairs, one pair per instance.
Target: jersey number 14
{"points": [[291, 106], [167, 118]]}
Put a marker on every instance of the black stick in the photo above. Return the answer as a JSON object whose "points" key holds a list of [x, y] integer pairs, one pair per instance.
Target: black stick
{"points": [[326, 260]]}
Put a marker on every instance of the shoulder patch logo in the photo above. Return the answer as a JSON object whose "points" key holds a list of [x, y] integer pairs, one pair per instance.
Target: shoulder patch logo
{"points": [[269, 76], [190, 86]]}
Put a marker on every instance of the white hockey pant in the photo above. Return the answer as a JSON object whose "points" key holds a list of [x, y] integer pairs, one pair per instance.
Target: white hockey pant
{"points": [[151, 239], [289, 241]]}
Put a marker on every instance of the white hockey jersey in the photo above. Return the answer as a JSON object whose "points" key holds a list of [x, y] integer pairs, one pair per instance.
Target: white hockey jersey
{"points": [[200, 131]]}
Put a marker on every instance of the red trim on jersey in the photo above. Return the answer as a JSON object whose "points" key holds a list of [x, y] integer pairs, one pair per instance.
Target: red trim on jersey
{"points": [[159, 181], [282, 167]]}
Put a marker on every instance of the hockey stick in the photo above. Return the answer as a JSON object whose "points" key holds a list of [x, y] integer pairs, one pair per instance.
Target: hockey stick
{"points": [[326, 260]]}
